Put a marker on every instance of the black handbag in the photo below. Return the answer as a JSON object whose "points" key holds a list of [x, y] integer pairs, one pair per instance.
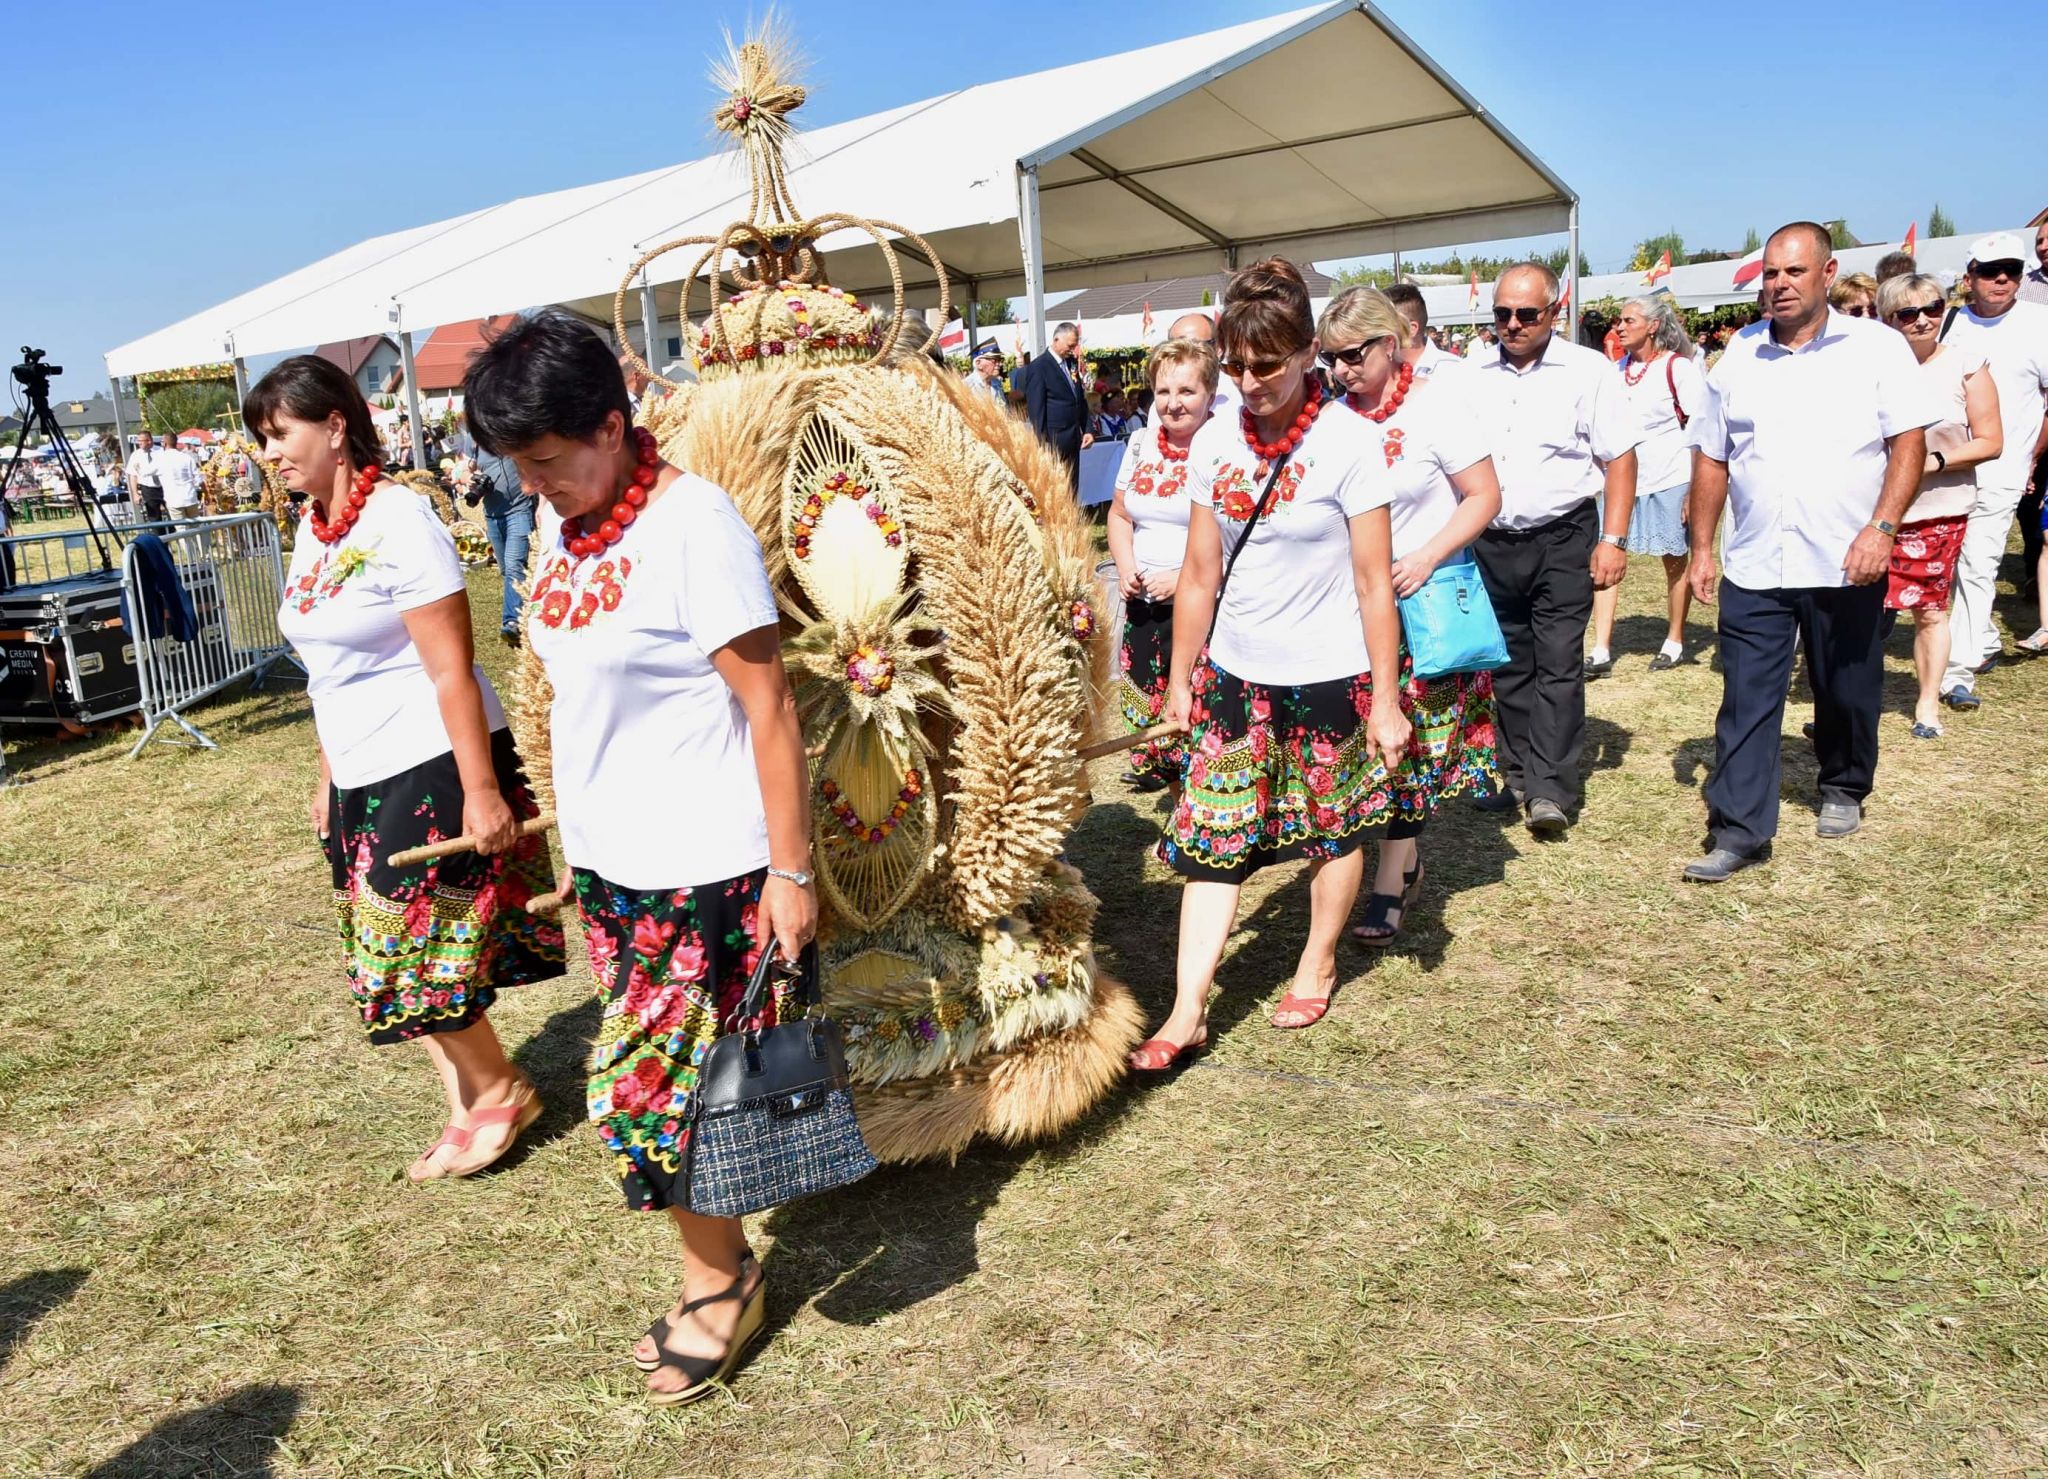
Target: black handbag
{"points": [[772, 1119]]}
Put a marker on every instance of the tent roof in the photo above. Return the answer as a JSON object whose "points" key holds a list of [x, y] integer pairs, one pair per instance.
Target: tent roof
{"points": [[1321, 133]]}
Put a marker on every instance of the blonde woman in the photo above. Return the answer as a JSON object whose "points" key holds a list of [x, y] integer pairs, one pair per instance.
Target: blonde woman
{"points": [[1148, 536], [1855, 295]]}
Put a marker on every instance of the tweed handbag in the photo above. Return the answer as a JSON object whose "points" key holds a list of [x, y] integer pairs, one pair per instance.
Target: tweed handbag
{"points": [[773, 1118]]}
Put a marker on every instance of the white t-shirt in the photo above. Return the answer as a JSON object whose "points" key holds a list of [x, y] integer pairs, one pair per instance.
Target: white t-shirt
{"points": [[655, 785], [1664, 455], [2016, 346], [178, 471], [142, 468], [1951, 494], [1155, 496], [1290, 612], [1433, 437], [344, 613]]}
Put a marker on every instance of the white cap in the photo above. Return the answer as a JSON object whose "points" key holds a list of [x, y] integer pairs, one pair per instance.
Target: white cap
{"points": [[1999, 246]]}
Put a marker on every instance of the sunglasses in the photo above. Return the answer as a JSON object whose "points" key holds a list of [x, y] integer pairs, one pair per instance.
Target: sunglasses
{"points": [[1521, 315], [1908, 314], [1260, 369], [1861, 310], [2004, 267], [1332, 358]]}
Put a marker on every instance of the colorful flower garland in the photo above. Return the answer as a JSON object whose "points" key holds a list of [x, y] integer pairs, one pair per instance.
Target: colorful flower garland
{"points": [[870, 672], [880, 832], [841, 485]]}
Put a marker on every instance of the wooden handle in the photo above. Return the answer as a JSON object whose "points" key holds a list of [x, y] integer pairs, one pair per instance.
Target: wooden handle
{"points": [[546, 904], [449, 847], [1130, 741]]}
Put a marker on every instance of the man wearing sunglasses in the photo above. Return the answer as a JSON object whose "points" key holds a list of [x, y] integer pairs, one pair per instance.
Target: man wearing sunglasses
{"points": [[1813, 437], [2012, 338], [1562, 436]]}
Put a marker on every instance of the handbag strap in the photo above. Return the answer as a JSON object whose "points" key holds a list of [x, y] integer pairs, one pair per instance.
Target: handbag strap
{"points": [[757, 985], [1244, 539], [1671, 382]]}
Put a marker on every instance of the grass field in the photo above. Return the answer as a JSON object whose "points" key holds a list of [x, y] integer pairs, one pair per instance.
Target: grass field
{"points": [[1593, 1174]]}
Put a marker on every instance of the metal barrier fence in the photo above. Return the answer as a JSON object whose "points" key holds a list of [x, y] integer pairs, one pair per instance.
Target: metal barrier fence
{"points": [[233, 572]]}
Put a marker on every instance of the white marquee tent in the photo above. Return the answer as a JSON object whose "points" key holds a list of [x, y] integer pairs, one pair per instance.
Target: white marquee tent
{"points": [[1320, 133]]}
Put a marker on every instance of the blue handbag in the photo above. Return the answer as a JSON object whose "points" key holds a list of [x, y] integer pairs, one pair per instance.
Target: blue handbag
{"points": [[1449, 623]]}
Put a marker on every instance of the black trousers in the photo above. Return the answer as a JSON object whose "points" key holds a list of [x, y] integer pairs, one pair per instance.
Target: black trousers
{"points": [[2030, 525], [1839, 628], [1541, 583]]}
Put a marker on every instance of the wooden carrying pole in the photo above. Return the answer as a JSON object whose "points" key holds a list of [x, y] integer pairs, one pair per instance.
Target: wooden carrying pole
{"points": [[1129, 741], [449, 847]]}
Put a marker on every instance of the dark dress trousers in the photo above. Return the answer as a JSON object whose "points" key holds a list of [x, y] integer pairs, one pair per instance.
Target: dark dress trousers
{"points": [[1057, 408]]}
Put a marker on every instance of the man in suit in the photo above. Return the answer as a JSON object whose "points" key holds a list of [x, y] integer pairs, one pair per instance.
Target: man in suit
{"points": [[1054, 400]]}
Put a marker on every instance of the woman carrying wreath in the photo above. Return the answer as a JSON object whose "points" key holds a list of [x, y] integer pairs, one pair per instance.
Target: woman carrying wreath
{"points": [[1148, 535], [681, 788], [1293, 745], [1445, 492], [413, 749]]}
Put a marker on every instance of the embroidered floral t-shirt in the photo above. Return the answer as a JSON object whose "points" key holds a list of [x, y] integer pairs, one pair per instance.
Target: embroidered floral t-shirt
{"points": [[655, 785], [1432, 438], [344, 614], [1155, 496], [1290, 611]]}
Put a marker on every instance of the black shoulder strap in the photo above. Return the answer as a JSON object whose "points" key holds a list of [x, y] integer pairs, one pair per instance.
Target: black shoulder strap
{"points": [[1946, 320], [1244, 539]]}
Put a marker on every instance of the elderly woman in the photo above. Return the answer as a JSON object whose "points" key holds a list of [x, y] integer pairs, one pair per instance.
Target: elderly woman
{"points": [[1444, 493], [1923, 565], [1855, 295], [1148, 535], [413, 749], [1664, 390], [680, 782], [1295, 714]]}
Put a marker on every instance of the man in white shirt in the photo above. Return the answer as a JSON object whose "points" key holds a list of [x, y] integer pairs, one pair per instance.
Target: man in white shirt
{"points": [[1562, 433], [1813, 437], [1202, 328], [2035, 288], [1421, 350], [2012, 337], [179, 471], [987, 374], [145, 483], [1483, 343]]}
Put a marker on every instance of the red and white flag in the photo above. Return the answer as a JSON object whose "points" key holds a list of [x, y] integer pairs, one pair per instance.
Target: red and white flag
{"points": [[1750, 268], [1564, 295], [954, 340], [1912, 233], [1662, 269], [1146, 327], [1472, 300]]}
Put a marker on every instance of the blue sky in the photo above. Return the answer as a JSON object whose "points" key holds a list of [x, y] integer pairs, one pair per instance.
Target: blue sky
{"points": [[185, 155]]}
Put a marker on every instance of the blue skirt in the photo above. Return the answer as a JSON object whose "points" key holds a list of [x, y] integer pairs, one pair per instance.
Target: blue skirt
{"points": [[1657, 527]]}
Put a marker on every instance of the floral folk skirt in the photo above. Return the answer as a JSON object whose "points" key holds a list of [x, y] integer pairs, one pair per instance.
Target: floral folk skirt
{"points": [[1922, 576], [1279, 773], [428, 947], [671, 967], [1144, 663]]}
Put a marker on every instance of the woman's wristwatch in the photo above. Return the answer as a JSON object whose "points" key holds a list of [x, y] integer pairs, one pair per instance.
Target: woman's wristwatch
{"points": [[791, 875], [1940, 462]]}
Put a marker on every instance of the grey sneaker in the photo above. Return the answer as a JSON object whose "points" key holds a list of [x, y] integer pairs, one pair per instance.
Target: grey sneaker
{"points": [[1721, 864], [1838, 819], [1547, 818]]}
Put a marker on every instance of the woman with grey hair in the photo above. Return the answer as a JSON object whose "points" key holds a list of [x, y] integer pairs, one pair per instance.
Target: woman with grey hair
{"points": [[1665, 389]]}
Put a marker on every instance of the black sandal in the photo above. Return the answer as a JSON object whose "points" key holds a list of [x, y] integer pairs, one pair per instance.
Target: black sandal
{"points": [[1378, 930], [661, 1329], [706, 1373]]}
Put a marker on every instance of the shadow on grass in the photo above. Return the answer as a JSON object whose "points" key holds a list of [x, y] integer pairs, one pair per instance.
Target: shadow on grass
{"points": [[236, 1436], [1642, 636], [554, 1059], [25, 1300]]}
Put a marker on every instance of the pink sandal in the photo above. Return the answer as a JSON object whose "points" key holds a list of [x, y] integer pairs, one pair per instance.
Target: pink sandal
{"points": [[1311, 1008], [519, 1114]]}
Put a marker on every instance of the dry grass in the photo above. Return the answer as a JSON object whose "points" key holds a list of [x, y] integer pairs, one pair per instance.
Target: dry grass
{"points": [[1594, 1175]]}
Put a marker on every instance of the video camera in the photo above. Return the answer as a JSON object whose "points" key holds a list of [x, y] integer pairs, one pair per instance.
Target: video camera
{"points": [[35, 372]]}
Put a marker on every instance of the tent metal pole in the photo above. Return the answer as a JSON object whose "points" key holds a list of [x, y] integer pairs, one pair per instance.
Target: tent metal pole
{"points": [[241, 384], [1571, 267], [650, 322], [971, 323], [1034, 253], [120, 423], [412, 399]]}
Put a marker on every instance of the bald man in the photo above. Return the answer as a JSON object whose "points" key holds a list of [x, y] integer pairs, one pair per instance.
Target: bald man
{"points": [[1202, 329]]}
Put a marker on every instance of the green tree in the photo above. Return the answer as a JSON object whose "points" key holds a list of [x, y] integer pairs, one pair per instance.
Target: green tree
{"points": [[173, 408], [1840, 235], [991, 311], [1751, 241], [1938, 222], [1649, 250]]}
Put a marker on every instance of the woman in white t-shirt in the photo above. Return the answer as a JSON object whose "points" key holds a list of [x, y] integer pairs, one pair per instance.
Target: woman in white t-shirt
{"points": [[1921, 579], [1292, 745], [681, 787], [1445, 492], [1664, 389], [1148, 535], [413, 749]]}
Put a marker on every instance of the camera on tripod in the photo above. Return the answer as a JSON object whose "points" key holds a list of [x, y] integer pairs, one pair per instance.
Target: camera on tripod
{"points": [[35, 371]]}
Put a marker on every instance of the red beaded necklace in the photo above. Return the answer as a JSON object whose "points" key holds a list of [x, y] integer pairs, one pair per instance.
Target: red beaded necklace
{"points": [[1404, 381], [1167, 451], [1267, 451], [351, 509], [1642, 368], [627, 509]]}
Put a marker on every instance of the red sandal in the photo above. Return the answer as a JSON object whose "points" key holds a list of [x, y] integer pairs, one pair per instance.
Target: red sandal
{"points": [[1157, 1055], [1314, 1008]]}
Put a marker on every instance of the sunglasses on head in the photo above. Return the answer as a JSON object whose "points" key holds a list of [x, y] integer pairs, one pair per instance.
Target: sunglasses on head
{"points": [[1237, 369], [2004, 267], [1907, 314], [1332, 358], [1521, 315]]}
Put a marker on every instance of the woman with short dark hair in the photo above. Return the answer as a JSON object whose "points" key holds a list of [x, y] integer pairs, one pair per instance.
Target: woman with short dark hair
{"points": [[414, 748], [681, 787], [1296, 724]]}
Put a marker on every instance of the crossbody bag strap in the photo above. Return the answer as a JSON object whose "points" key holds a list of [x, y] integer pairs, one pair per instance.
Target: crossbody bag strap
{"points": [[1244, 539], [1671, 380]]}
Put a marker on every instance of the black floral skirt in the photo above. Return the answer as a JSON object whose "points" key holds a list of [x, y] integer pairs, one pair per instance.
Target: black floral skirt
{"points": [[428, 947], [1144, 662], [671, 967]]}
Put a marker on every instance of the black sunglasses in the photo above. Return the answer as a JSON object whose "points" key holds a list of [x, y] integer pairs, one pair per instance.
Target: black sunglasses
{"points": [[2005, 267], [1861, 310], [1908, 314], [1521, 315], [1331, 358]]}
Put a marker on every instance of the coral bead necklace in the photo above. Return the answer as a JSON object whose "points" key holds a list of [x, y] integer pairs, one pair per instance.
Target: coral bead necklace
{"points": [[1404, 381], [1169, 451], [351, 509], [631, 500], [1304, 419]]}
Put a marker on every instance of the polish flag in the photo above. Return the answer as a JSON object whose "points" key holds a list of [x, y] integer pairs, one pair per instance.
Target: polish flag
{"points": [[1662, 269], [1145, 329], [1564, 296], [954, 340], [1472, 301], [1750, 268], [1912, 233]]}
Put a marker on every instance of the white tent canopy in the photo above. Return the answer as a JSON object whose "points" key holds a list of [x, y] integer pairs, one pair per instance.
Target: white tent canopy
{"points": [[1320, 133]]}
